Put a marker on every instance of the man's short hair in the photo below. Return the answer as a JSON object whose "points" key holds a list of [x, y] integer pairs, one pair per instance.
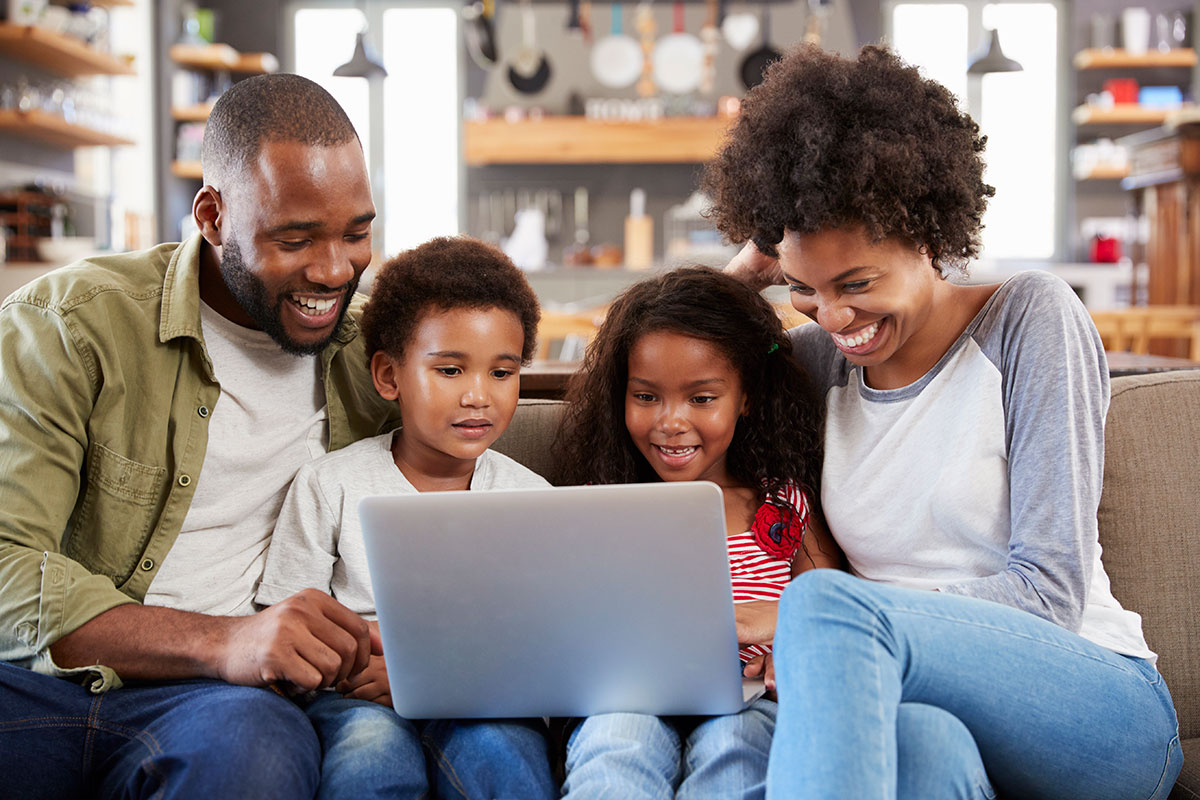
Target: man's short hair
{"points": [[269, 108]]}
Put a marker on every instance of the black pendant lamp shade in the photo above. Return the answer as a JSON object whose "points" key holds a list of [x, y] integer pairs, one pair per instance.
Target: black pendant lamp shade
{"points": [[363, 64], [990, 58]]}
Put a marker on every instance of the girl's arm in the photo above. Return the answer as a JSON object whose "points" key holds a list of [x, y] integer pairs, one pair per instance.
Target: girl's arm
{"points": [[817, 550]]}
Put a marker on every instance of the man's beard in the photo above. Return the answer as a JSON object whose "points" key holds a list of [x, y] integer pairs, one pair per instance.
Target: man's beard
{"points": [[267, 312]]}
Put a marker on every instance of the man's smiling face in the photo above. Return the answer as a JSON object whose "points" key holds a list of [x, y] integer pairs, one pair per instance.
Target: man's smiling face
{"points": [[296, 237]]}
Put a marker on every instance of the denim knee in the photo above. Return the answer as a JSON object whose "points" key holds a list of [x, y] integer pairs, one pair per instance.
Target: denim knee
{"points": [[937, 757], [623, 757], [252, 740]]}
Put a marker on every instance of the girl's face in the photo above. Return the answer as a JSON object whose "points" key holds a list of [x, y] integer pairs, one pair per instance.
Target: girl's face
{"points": [[682, 403], [877, 300]]}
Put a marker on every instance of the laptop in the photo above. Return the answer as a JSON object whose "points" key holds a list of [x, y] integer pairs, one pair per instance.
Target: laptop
{"points": [[563, 602]]}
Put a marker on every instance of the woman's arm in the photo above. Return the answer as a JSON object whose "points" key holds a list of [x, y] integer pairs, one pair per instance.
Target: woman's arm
{"points": [[1055, 386]]}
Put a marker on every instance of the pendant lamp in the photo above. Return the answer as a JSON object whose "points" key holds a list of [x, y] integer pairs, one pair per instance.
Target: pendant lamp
{"points": [[363, 64], [990, 58]]}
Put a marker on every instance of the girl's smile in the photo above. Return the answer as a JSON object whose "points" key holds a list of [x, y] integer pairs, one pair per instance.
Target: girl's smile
{"points": [[682, 405]]}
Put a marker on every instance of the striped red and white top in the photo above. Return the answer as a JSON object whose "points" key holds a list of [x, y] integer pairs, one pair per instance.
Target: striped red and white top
{"points": [[760, 559]]}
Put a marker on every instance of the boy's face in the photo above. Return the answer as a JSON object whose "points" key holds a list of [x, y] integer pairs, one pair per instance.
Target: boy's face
{"points": [[457, 386]]}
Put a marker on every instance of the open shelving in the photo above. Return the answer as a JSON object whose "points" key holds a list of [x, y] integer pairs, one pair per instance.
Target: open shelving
{"points": [[53, 129], [1120, 59], [58, 53], [580, 140]]}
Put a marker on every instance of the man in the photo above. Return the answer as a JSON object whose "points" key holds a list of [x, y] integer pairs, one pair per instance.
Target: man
{"points": [[154, 408]]}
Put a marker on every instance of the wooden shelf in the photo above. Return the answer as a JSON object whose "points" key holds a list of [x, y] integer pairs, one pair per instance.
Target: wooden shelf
{"points": [[578, 140], [1106, 59], [113, 3], [1119, 114], [58, 53], [1105, 174], [187, 169], [222, 57], [196, 113], [53, 129]]}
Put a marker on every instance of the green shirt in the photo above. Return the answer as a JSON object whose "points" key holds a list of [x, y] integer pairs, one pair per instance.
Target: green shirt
{"points": [[106, 390]]}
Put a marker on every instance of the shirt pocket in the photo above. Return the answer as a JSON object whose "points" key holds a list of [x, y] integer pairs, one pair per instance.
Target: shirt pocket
{"points": [[111, 526]]}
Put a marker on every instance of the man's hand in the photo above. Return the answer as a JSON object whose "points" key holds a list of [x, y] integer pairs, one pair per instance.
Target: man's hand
{"points": [[308, 641], [754, 268], [756, 621]]}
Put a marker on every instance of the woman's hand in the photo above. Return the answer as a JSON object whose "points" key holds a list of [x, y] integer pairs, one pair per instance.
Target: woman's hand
{"points": [[762, 667], [756, 621], [755, 269]]}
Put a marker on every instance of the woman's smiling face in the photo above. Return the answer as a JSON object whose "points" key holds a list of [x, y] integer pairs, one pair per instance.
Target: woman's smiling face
{"points": [[878, 301]]}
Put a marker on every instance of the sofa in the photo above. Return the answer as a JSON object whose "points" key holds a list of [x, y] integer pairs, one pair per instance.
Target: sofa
{"points": [[1149, 523]]}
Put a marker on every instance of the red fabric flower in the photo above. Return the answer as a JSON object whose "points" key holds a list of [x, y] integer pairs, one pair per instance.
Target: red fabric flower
{"points": [[776, 531]]}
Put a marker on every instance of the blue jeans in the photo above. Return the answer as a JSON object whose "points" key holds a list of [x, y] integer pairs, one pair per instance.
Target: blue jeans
{"points": [[887, 692], [371, 751], [630, 756], [188, 739]]}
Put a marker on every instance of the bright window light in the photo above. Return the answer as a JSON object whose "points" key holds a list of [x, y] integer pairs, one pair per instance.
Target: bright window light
{"points": [[1016, 110], [933, 36], [1018, 115], [420, 125], [325, 41]]}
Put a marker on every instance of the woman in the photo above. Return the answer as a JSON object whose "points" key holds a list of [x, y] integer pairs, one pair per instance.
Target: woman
{"points": [[976, 648]]}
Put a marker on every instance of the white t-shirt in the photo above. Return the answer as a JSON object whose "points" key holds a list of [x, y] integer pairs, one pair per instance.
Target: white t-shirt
{"points": [[983, 477], [269, 420], [318, 541]]}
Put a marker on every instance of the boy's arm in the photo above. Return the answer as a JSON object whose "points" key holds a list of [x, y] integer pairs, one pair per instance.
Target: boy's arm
{"points": [[303, 548]]}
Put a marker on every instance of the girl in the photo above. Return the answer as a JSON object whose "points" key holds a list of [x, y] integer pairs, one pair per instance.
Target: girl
{"points": [[690, 378], [977, 648]]}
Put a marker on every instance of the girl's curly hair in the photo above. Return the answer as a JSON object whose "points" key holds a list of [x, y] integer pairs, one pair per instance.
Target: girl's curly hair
{"points": [[825, 142], [779, 440]]}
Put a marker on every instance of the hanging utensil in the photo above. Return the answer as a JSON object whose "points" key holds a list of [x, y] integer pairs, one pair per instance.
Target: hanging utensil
{"points": [[756, 61], [646, 28], [479, 31], [739, 30], [708, 38], [617, 59], [529, 71], [678, 58]]}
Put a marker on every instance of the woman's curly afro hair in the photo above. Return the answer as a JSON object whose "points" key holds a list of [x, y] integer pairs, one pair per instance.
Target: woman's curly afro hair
{"points": [[779, 439], [826, 142]]}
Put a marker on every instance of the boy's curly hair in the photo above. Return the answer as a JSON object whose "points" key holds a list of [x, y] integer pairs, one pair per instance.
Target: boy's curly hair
{"points": [[779, 440], [442, 274], [825, 142]]}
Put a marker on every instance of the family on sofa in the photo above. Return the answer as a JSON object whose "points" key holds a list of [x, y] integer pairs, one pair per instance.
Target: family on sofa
{"points": [[185, 601]]}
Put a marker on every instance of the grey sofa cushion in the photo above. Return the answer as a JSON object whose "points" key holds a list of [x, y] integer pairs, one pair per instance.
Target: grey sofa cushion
{"points": [[1150, 522], [530, 437]]}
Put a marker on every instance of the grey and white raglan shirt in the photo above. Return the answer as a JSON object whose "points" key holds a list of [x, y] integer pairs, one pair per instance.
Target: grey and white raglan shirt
{"points": [[983, 477]]}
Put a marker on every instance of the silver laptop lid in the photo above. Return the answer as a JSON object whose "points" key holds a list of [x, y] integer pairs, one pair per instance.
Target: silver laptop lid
{"points": [[555, 602]]}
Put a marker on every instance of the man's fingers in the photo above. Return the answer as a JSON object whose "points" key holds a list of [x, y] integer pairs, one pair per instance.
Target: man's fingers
{"points": [[754, 667]]}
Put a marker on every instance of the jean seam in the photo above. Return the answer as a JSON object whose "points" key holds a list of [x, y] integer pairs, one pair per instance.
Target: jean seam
{"points": [[440, 758], [1166, 763], [1027, 637]]}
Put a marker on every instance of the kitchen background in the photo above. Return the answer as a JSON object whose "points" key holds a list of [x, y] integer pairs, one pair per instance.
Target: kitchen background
{"points": [[496, 118]]}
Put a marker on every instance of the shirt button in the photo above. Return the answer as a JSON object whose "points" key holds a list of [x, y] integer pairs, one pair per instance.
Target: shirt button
{"points": [[147, 564], [185, 480], [202, 411]]}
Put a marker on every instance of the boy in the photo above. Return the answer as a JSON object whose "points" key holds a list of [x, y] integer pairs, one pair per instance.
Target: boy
{"points": [[447, 328]]}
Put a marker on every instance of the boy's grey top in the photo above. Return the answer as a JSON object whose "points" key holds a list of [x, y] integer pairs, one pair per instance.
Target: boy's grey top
{"points": [[318, 539], [983, 477]]}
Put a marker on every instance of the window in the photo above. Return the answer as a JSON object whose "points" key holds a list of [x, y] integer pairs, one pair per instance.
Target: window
{"points": [[1017, 111], [409, 129]]}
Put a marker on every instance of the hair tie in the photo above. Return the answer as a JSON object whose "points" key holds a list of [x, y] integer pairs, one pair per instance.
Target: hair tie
{"points": [[774, 346]]}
